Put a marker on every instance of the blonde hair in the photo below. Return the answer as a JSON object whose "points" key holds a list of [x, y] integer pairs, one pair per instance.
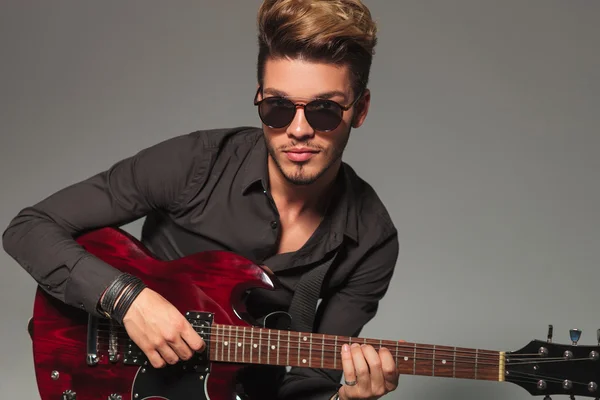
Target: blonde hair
{"points": [[340, 32]]}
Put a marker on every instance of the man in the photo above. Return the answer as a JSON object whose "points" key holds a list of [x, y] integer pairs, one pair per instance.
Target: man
{"points": [[280, 196]]}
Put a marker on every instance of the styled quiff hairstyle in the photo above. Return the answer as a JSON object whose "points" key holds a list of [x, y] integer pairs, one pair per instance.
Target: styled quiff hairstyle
{"points": [[339, 32]]}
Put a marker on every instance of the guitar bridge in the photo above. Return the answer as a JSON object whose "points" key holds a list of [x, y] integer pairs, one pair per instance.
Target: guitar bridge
{"points": [[201, 322]]}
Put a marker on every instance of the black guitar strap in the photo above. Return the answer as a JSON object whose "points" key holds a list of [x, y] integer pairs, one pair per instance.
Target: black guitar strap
{"points": [[304, 302]]}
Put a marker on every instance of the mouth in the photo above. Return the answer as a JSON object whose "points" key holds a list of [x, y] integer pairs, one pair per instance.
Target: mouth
{"points": [[301, 154]]}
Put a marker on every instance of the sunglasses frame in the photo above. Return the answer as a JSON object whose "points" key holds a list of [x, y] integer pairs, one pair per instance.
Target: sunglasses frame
{"points": [[303, 106]]}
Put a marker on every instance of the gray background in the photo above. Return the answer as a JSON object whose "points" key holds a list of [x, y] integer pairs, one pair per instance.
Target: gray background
{"points": [[483, 140]]}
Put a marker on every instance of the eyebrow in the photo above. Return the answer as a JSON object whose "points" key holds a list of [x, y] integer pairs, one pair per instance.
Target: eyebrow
{"points": [[325, 95]]}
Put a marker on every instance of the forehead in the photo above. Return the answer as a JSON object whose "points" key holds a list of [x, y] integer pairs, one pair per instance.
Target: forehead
{"points": [[305, 78]]}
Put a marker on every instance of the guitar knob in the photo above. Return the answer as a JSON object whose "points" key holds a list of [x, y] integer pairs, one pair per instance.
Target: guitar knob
{"points": [[575, 335]]}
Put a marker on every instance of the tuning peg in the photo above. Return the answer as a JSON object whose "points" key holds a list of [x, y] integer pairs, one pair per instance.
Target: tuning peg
{"points": [[575, 335], [598, 335], [550, 329], [546, 397], [572, 397]]}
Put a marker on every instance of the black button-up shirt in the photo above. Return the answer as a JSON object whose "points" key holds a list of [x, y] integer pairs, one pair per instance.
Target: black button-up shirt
{"points": [[209, 190]]}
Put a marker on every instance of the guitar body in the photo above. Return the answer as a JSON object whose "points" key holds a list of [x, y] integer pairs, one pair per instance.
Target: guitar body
{"points": [[76, 357]]}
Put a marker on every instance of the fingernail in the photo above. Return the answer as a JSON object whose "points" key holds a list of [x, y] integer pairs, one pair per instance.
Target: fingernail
{"points": [[345, 348], [355, 345]]}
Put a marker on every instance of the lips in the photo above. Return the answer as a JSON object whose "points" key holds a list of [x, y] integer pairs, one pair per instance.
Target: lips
{"points": [[300, 154]]}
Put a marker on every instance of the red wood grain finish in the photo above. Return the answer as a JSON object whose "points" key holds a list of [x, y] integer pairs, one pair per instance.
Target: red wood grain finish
{"points": [[211, 282]]}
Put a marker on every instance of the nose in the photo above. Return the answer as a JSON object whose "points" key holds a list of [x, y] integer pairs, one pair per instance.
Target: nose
{"points": [[299, 128]]}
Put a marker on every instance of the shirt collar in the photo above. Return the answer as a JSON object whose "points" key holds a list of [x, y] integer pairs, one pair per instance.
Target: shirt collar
{"points": [[343, 212]]}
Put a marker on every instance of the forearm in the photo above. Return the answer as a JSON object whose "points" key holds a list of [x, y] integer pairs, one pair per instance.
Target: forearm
{"points": [[51, 255]]}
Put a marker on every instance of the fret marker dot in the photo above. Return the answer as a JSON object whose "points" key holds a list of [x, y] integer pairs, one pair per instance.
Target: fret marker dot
{"points": [[405, 358], [443, 361], [304, 361], [272, 347], [305, 338], [225, 343], [239, 345], [255, 345]]}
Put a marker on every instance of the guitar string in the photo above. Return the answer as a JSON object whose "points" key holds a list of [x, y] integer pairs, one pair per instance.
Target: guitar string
{"points": [[328, 348], [329, 341]]}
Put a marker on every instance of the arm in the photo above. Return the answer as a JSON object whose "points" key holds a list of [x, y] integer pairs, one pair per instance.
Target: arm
{"points": [[345, 313], [41, 237]]}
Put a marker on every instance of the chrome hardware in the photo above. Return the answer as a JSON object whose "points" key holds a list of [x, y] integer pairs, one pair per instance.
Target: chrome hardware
{"points": [[592, 386], [69, 395], [550, 330], [115, 396], [92, 341], [92, 359], [113, 343], [567, 384], [541, 384], [568, 355], [543, 351], [575, 335], [594, 355], [54, 375]]}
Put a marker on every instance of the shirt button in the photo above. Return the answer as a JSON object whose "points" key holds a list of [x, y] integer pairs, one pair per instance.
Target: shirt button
{"points": [[274, 224]]}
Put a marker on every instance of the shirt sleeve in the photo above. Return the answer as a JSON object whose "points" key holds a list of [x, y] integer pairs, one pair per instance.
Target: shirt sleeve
{"points": [[345, 313], [42, 237]]}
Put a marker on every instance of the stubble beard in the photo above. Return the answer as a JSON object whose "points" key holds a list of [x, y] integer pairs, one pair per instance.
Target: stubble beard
{"points": [[299, 176]]}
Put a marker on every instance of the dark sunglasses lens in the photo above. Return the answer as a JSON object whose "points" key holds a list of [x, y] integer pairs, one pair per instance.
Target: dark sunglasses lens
{"points": [[323, 115], [276, 112]]}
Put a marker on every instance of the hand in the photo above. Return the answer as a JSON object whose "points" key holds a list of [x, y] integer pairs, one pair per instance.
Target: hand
{"points": [[160, 330], [357, 361]]}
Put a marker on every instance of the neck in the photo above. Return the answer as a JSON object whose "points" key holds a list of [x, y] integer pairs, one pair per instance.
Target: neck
{"points": [[302, 197]]}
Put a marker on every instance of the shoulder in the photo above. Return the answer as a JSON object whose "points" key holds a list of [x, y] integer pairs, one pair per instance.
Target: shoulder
{"points": [[374, 222]]}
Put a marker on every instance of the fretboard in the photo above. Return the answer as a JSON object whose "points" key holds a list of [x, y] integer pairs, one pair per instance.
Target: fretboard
{"points": [[253, 345]]}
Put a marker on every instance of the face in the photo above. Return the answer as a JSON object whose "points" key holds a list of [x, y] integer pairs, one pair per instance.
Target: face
{"points": [[298, 151]]}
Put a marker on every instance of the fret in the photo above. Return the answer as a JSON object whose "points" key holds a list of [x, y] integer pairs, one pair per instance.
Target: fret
{"points": [[244, 345], [278, 345], [251, 343], [288, 348], [336, 354], [310, 350], [414, 359], [269, 348], [323, 350], [299, 347], [454, 364], [433, 362], [443, 361], [397, 360], [215, 340], [259, 344], [237, 344]]}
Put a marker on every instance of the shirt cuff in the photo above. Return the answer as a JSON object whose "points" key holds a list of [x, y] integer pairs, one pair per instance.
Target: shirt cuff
{"points": [[89, 278]]}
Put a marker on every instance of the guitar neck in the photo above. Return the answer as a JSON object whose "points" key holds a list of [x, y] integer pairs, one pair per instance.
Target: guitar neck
{"points": [[253, 345]]}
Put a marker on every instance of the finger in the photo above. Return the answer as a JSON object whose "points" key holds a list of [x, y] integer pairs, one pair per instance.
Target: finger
{"points": [[377, 381], [390, 371], [361, 367], [167, 353], [155, 359], [348, 364], [192, 338]]}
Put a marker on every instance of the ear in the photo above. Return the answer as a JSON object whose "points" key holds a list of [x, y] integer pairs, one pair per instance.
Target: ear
{"points": [[361, 109]]}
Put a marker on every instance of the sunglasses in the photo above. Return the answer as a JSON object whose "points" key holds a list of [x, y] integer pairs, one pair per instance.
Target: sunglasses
{"points": [[322, 115]]}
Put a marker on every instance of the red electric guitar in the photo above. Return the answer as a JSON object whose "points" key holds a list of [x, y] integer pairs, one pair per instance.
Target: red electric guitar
{"points": [[80, 357]]}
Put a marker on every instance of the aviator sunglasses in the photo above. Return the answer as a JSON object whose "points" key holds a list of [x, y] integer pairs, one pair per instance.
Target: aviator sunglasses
{"points": [[322, 115]]}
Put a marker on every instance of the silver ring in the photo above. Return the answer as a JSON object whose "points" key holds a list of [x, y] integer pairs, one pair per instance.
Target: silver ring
{"points": [[351, 383]]}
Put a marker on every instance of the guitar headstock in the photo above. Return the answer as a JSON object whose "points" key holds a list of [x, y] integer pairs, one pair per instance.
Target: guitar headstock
{"points": [[544, 368]]}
